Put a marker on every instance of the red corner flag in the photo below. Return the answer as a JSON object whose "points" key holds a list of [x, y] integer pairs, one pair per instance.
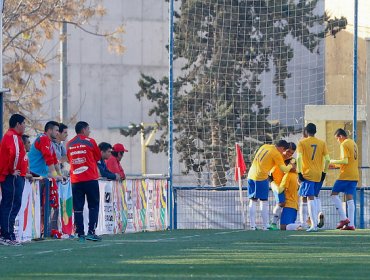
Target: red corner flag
{"points": [[239, 163]]}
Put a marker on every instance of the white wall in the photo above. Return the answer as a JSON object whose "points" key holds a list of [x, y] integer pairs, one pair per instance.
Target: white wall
{"points": [[102, 85]]}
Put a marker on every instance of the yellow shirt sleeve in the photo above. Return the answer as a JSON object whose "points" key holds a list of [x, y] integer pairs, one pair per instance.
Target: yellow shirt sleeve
{"points": [[299, 163], [283, 183]]}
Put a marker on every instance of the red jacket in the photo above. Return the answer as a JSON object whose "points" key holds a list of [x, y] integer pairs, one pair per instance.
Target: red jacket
{"points": [[83, 153], [114, 166], [12, 154]]}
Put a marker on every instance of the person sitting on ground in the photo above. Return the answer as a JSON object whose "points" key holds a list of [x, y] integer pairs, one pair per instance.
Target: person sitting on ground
{"points": [[290, 186], [276, 178]]}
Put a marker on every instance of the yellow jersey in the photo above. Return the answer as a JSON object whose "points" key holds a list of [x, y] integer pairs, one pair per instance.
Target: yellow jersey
{"points": [[277, 174], [290, 183], [349, 172], [313, 151], [266, 158]]}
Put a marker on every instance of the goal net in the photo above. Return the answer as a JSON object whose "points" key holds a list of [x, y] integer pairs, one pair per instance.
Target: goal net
{"points": [[244, 70]]}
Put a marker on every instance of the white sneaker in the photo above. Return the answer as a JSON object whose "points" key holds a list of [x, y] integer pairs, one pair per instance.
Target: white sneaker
{"points": [[312, 229], [254, 228], [9, 242], [3, 241]]}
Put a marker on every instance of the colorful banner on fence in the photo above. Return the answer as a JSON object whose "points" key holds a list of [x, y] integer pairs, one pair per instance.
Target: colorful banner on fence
{"points": [[27, 223], [66, 207], [129, 206]]}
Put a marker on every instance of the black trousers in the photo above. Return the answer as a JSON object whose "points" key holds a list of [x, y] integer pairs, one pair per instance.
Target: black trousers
{"points": [[90, 190], [12, 189]]}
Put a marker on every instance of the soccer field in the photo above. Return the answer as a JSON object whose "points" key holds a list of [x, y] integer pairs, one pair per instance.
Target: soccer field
{"points": [[198, 254]]}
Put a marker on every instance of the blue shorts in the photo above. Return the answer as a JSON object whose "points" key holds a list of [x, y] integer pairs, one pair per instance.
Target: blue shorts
{"points": [[258, 189], [347, 187], [318, 187], [288, 216], [309, 188], [279, 197]]}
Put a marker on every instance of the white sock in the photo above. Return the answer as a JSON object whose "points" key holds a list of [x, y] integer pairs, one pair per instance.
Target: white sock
{"points": [[293, 226], [252, 213], [312, 212], [318, 204], [277, 213], [351, 212], [264, 206], [338, 205], [303, 212]]}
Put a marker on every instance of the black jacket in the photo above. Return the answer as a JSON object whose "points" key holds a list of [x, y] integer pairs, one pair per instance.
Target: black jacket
{"points": [[104, 172]]}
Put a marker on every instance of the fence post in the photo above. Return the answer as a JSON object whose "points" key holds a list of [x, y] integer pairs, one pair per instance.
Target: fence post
{"points": [[46, 208], [175, 209], [362, 209]]}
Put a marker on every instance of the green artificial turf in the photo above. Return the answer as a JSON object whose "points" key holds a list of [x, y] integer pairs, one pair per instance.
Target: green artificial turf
{"points": [[197, 254]]}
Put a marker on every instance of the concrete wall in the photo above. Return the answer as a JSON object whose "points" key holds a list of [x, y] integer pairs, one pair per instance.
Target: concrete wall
{"points": [[339, 53], [102, 85]]}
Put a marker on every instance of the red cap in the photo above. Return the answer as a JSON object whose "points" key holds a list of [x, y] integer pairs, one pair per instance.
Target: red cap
{"points": [[119, 148]]}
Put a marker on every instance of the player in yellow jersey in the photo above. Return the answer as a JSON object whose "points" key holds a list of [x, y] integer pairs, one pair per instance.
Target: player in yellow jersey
{"points": [[312, 165], [347, 180], [290, 210], [265, 159], [277, 189]]}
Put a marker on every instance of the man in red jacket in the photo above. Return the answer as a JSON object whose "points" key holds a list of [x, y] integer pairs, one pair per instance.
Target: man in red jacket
{"points": [[113, 162], [82, 154], [13, 169]]}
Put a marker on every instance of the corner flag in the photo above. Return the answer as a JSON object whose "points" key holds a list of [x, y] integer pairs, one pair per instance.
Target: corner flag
{"points": [[239, 163]]}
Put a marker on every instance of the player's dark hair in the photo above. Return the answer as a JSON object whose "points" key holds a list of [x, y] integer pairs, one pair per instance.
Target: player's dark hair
{"points": [[115, 154], [14, 119], [311, 129], [340, 132], [80, 126], [62, 127], [292, 146], [50, 125], [283, 144], [25, 137], [104, 146]]}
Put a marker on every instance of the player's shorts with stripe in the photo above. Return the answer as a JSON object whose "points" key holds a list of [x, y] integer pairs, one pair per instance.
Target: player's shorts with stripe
{"points": [[344, 186], [309, 188], [279, 197], [318, 187], [288, 216], [258, 189]]}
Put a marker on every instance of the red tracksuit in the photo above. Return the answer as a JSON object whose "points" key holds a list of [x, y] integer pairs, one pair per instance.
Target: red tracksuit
{"points": [[83, 153], [13, 155]]}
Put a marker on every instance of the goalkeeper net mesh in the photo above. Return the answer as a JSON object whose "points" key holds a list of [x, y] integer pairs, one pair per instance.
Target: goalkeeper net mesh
{"points": [[244, 70]]}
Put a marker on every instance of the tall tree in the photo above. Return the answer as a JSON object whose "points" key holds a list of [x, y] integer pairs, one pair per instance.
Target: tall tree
{"points": [[227, 45], [28, 26]]}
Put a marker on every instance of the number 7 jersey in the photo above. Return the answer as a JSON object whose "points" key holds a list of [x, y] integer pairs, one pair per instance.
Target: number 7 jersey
{"points": [[313, 151]]}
